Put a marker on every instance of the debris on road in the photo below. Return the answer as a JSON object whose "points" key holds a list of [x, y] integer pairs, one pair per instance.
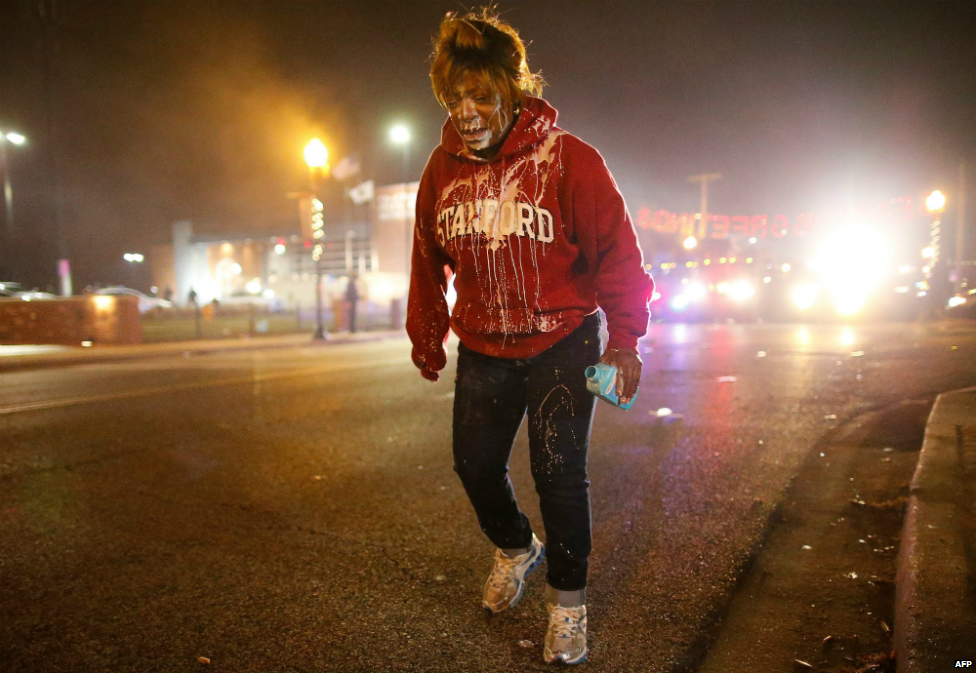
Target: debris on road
{"points": [[203, 660], [526, 644]]}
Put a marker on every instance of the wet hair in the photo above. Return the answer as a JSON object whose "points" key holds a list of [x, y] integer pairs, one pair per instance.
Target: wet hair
{"points": [[481, 44]]}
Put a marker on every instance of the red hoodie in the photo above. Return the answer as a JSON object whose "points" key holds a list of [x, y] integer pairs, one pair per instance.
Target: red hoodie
{"points": [[537, 238]]}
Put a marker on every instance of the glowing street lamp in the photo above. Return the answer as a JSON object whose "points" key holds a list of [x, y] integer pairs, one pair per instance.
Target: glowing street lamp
{"points": [[935, 202], [317, 158], [13, 138], [316, 155], [400, 135]]}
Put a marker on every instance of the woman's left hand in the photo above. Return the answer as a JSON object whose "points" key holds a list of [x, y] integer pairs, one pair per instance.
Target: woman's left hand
{"points": [[628, 364]]}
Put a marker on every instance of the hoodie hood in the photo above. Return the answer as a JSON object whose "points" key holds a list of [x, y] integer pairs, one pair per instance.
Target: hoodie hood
{"points": [[534, 122]]}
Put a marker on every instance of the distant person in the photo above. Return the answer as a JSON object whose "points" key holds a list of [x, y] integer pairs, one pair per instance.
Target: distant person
{"points": [[537, 235], [168, 294], [192, 297], [352, 297]]}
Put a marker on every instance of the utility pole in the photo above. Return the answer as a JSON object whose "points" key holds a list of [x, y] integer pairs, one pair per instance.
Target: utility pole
{"points": [[51, 14], [960, 227], [704, 179]]}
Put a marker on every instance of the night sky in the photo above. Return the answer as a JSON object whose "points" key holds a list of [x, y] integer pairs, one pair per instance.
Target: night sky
{"points": [[140, 113]]}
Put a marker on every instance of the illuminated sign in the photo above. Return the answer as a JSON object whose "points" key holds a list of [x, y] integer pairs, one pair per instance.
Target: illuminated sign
{"points": [[775, 226]]}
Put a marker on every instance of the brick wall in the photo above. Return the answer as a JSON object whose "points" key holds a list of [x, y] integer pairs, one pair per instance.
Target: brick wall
{"points": [[103, 320]]}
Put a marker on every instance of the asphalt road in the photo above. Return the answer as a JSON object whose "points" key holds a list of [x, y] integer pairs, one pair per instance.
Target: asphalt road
{"points": [[296, 510]]}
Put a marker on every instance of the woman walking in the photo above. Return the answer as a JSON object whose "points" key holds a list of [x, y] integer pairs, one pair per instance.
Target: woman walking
{"points": [[531, 224]]}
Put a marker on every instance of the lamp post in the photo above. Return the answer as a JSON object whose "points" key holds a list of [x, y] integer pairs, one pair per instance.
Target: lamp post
{"points": [[133, 258], [960, 228], [8, 192], [317, 158], [704, 179], [935, 204], [400, 135]]}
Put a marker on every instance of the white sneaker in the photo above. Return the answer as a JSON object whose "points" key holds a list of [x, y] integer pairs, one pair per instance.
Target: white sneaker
{"points": [[566, 638], [507, 580]]}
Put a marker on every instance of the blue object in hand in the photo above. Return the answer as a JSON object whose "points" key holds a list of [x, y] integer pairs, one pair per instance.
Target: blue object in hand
{"points": [[601, 380]]}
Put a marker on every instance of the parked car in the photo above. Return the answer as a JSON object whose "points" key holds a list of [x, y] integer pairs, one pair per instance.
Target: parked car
{"points": [[146, 303], [265, 300], [17, 291]]}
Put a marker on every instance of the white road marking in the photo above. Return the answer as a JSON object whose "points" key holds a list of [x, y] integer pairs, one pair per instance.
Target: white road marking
{"points": [[148, 392]]}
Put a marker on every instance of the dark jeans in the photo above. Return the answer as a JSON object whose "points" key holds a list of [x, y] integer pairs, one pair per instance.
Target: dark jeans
{"points": [[491, 398]]}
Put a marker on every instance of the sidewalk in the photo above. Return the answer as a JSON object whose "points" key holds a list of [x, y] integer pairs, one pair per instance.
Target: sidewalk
{"points": [[16, 358], [935, 605]]}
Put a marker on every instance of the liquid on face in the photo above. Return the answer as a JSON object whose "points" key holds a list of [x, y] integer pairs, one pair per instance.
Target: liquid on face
{"points": [[481, 117]]}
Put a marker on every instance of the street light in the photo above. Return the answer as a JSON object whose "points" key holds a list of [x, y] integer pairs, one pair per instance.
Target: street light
{"points": [[935, 202], [400, 135], [133, 258], [316, 155], [8, 193], [317, 158]]}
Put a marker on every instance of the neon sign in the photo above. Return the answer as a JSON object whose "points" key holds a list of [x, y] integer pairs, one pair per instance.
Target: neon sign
{"points": [[776, 226]]}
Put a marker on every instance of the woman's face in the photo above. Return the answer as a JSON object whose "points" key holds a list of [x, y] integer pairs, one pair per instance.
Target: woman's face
{"points": [[482, 118]]}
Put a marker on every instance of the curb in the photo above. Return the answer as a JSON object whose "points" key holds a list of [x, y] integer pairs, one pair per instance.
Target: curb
{"points": [[935, 610], [87, 356]]}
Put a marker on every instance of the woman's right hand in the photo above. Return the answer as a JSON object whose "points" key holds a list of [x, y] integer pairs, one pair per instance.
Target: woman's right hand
{"points": [[423, 361]]}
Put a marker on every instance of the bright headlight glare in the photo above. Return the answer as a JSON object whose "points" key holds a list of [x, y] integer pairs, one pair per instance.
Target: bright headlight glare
{"points": [[695, 291], [804, 296], [853, 263], [741, 290], [851, 303]]}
